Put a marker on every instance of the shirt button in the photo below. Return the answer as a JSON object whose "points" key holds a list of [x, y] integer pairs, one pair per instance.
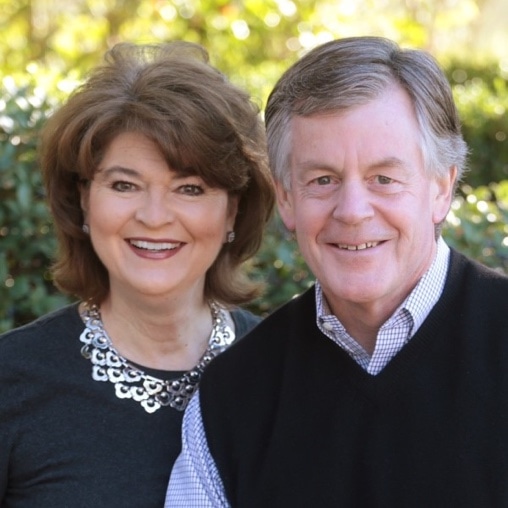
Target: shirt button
{"points": [[328, 326]]}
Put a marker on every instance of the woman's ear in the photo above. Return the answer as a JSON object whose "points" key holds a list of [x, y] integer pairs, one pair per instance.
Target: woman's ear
{"points": [[84, 197], [233, 201]]}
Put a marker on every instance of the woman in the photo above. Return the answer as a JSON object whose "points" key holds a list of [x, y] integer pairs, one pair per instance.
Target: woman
{"points": [[156, 176]]}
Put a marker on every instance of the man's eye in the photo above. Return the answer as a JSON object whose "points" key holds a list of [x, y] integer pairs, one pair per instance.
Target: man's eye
{"points": [[191, 190], [323, 180], [384, 180], [122, 186]]}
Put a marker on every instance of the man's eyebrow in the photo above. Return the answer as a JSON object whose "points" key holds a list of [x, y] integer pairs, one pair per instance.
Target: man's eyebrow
{"points": [[309, 164], [389, 162]]}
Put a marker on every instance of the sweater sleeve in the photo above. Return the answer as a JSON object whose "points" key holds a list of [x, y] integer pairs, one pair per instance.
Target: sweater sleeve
{"points": [[195, 480], [12, 408], [4, 445]]}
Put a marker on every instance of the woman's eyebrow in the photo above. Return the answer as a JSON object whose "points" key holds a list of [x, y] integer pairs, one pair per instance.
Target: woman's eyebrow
{"points": [[108, 171]]}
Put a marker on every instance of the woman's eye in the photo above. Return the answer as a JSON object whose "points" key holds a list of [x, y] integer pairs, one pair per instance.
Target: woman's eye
{"points": [[191, 190], [122, 186]]}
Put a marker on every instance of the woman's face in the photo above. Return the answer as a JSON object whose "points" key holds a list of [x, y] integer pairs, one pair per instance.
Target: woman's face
{"points": [[155, 231]]}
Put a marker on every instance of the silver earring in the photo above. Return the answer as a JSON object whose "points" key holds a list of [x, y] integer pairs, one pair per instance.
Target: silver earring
{"points": [[86, 229], [230, 236]]}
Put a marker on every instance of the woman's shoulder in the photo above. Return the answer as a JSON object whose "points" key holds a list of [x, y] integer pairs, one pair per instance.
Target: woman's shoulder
{"points": [[244, 321], [53, 325]]}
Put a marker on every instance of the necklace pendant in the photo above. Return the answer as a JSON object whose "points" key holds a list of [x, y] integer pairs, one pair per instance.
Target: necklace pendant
{"points": [[163, 398], [115, 375], [99, 373], [122, 391], [150, 405], [152, 386]]}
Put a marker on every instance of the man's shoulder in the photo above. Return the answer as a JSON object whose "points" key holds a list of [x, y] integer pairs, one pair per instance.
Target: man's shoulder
{"points": [[478, 294], [476, 274]]}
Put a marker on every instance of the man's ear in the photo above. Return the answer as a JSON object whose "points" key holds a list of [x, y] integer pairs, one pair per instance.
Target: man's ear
{"points": [[443, 197], [285, 205]]}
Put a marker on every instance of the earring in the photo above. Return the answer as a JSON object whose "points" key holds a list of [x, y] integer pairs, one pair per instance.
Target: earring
{"points": [[230, 236], [86, 229]]}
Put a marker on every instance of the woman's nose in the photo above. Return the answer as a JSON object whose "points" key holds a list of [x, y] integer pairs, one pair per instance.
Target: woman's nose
{"points": [[155, 210]]}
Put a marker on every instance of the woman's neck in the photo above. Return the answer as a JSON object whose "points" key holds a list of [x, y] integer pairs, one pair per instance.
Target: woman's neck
{"points": [[169, 335]]}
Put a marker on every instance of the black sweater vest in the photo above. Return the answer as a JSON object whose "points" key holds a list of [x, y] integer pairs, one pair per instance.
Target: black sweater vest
{"points": [[299, 424]]}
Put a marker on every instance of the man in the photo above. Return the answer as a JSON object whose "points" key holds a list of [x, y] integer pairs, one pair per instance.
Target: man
{"points": [[386, 384]]}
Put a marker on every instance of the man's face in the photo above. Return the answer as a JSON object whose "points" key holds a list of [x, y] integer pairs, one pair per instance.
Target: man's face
{"points": [[362, 206]]}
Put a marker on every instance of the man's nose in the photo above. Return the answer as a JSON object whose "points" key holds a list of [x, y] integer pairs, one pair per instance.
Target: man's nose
{"points": [[353, 202]]}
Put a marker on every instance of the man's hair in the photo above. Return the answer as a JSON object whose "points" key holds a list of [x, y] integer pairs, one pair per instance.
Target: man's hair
{"points": [[199, 121], [353, 71]]}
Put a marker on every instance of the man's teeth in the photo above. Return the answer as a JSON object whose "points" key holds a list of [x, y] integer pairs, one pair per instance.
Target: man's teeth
{"points": [[362, 246], [154, 245]]}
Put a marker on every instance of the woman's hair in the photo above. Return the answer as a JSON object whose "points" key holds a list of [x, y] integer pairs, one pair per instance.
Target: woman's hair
{"points": [[197, 118], [353, 71]]}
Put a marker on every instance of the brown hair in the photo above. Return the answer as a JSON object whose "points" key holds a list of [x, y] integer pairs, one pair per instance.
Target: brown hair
{"points": [[197, 118]]}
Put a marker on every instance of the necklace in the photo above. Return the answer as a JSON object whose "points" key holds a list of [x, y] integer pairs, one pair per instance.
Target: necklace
{"points": [[130, 381]]}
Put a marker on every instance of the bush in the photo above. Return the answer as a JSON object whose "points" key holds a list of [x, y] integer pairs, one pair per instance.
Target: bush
{"points": [[478, 224], [481, 94], [281, 267], [26, 239]]}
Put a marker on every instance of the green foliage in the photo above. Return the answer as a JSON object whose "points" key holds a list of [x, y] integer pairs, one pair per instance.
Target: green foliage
{"points": [[481, 93], [252, 41], [281, 267], [26, 241], [478, 224]]}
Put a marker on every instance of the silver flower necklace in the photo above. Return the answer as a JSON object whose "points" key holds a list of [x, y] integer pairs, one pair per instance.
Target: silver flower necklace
{"points": [[130, 381]]}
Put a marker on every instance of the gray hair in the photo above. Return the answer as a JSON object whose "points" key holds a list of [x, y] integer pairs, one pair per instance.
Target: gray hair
{"points": [[349, 72]]}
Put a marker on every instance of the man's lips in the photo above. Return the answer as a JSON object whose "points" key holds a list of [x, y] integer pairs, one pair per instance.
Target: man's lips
{"points": [[154, 246], [354, 247]]}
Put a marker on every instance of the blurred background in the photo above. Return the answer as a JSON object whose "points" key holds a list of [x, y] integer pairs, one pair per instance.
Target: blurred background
{"points": [[47, 47]]}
